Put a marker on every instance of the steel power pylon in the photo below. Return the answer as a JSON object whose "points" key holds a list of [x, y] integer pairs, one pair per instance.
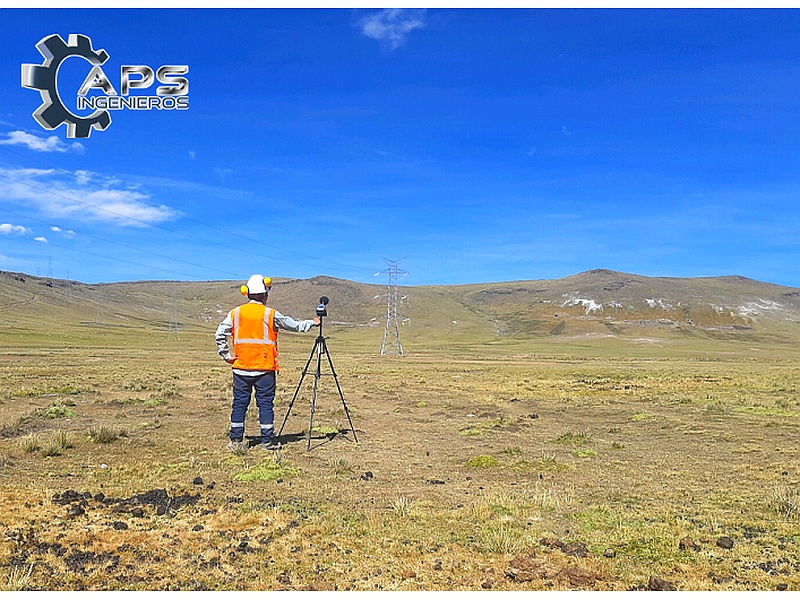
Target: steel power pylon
{"points": [[391, 335]]}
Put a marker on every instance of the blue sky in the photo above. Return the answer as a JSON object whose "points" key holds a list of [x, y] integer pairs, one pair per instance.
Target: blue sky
{"points": [[476, 145]]}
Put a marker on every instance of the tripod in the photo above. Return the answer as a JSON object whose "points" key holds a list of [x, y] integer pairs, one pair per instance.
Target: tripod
{"points": [[320, 348]]}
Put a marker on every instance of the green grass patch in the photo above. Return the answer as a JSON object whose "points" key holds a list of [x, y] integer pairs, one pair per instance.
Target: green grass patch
{"points": [[66, 390], [585, 453], [574, 439], [59, 410], [481, 428], [482, 462], [269, 471], [766, 411], [470, 431]]}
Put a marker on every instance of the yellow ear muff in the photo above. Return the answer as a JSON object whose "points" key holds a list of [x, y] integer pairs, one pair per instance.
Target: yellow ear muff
{"points": [[268, 282], [244, 290]]}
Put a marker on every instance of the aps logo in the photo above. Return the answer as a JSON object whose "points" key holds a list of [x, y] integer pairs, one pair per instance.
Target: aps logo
{"points": [[172, 95]]}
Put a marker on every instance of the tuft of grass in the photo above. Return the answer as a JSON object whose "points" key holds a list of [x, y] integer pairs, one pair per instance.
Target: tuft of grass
{"points": [[786, 501], [30, 443], [17, 580], [58, 442], [103, 434], [342, 466], [504, 538], [482, 462], [401, 505]]}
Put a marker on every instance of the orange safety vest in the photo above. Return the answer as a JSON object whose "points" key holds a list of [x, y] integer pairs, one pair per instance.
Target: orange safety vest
{"points": [[255, 339]]}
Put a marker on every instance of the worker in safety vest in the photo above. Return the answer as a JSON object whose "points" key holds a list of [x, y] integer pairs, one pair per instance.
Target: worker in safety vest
{"points": [[253, 329]]}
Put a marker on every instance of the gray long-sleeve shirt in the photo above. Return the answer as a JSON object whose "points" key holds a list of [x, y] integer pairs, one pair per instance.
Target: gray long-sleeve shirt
{"points": [[280, 321]]}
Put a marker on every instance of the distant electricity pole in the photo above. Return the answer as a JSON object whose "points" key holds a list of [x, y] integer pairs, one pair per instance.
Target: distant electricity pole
{"points": [[391, 335], [174, 325]]}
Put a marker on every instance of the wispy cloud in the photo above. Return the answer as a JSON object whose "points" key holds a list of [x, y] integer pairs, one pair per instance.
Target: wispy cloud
{"points": [[41, 239], [391, 26], [82, 195], [9, 229], [40, 144]]}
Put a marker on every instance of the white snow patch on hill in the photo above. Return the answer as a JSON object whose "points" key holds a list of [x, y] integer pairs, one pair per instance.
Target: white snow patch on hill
{"points": [[659, 303], [756, 307], [589, 304]]}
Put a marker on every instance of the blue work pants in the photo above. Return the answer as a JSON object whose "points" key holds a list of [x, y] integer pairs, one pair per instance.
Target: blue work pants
{"points": [[243, 386]]}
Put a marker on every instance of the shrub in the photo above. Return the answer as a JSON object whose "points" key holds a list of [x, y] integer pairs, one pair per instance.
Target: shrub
{"points": [[59, 410]]}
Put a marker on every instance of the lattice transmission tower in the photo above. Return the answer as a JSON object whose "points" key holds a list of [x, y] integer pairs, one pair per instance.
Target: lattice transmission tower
{"points": [[174, 324], [391, 335]]}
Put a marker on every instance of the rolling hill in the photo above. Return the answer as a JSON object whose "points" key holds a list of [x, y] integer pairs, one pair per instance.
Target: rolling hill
{"points": [[597, 304]]}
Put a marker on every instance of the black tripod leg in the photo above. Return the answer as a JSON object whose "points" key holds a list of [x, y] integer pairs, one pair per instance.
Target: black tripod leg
{"points": [[314, 393], [297, 390], [338, 387]]}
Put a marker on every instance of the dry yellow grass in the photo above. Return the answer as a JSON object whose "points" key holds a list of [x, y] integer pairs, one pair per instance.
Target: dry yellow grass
{"points": [[583, 468]]}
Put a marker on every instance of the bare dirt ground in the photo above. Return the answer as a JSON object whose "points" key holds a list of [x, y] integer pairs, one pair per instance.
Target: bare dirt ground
{"points": [[511, 472]]}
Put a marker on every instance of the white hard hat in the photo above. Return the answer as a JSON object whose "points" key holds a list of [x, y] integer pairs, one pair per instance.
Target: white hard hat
{"points": [[257, 284]]}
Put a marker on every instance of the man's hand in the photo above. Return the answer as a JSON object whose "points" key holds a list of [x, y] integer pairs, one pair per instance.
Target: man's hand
{"points": [[230, 360], [316, 321]]}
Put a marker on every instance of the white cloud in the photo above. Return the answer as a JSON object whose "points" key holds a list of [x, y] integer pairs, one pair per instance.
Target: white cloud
{"points": [[391, 26], [8, 229], [40, 239], [81, 195], [33, 142], [65, 232], [83, 177]]}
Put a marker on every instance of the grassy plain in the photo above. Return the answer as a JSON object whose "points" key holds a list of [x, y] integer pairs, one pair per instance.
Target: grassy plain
{"points": [[523, 465]]}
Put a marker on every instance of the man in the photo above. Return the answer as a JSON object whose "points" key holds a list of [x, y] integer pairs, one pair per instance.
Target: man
{"points": [[253, 329]]}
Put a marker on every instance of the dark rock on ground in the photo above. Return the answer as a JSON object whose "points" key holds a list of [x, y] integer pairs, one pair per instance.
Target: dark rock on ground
{"points": [[655, 584], [725, 542]]}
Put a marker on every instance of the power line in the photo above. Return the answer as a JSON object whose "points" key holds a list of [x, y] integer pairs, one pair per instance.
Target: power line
{"points": [[119, 244], [258, 242]]}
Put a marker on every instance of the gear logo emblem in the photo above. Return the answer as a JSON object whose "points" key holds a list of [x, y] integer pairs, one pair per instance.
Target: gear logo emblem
{"points": [[171, 95], [52, 113]]}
